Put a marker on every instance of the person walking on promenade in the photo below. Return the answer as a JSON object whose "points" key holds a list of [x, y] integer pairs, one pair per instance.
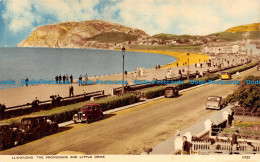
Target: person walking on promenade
{"points": [[237, 73], [26, 81], [186, 145], [80, 80], [86, 78], [67, 77], [64, 78], [178, 143], [60, 78], [35, 103], [58, 100], [71, 78], [57, 78], [234, 142], [71, 90]]}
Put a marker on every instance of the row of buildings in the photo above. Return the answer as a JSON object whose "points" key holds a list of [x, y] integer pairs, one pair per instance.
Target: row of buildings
{"points": [[242, 47]]}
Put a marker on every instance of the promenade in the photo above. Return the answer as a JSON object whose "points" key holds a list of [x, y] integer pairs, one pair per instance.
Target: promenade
{"points": [[23, 95]]}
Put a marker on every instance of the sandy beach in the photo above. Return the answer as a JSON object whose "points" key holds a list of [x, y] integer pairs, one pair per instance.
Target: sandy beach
{"points": [[23, 95], [181, 57]]}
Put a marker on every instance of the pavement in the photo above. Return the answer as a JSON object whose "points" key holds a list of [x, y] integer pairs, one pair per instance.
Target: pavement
{"points": [[167, 146], [23, 95]]}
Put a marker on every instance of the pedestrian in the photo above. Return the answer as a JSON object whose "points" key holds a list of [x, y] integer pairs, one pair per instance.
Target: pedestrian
{"points": [[234, 141], [177, 64], [186, 147], [26, 81], [237, 73], [71, 78], [178, 143], [57, 78], [35, 103], [60, 78], [86, 78], [58, 100], [67, 77], [64, 78], [80, 80], [71, 91]]}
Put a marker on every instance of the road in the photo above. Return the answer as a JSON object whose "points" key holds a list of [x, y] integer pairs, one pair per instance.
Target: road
{"points": [[132, 130]]}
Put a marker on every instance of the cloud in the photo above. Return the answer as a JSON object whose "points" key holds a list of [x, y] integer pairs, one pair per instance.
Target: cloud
{"points": [[152, 16], [24, 14], [18, 15], [188, 17]]}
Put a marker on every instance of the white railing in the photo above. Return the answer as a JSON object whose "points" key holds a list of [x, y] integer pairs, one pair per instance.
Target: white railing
{"points": [[205, 147]]}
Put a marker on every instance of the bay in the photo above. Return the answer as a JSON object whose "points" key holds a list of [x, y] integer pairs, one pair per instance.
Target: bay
{"points": [[45, 63]]}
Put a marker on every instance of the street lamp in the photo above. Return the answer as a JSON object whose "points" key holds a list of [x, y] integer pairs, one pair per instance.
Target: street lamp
{"points": [[188, 73], [123, 54]]}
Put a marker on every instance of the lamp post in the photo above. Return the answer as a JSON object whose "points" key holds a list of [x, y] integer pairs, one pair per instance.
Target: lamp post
{"points": [[188, 73], [123, 54]]}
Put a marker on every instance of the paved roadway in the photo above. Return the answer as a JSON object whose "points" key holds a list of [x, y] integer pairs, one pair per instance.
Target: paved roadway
{"points": [[133, 130]]}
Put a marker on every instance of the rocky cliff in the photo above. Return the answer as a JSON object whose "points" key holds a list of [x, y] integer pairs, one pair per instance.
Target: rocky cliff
{"points": [[78, 34]]}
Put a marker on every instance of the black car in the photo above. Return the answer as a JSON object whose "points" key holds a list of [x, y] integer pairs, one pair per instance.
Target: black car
{"points": [[171, 91], [37, 126], [9, 136]]}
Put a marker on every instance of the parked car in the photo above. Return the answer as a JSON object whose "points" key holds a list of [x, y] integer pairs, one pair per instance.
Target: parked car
{"points": [[88, 113], [171, 91], [37, 126], [214, 102], [225, 76], [9, 136]]}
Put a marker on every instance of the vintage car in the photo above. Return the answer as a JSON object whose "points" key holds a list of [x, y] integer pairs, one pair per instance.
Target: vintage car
{"points": [[225, 76], [171, 91], [88, 113], [9, 136], [37, 126], [214, 102]]}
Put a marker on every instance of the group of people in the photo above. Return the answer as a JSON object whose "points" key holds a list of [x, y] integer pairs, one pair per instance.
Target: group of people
{"points": [[56, 100], [183, 146], [81, 79], [64, 78]]}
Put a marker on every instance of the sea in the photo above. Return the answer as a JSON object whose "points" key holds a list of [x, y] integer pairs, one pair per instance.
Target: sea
{"points": [[45, 63]]}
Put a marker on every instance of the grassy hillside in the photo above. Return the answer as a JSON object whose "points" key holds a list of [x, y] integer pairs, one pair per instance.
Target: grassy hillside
{"points": [[164, 36], [228, 36], [245, 28], [179, 48], [250, 31], [114, 37]]}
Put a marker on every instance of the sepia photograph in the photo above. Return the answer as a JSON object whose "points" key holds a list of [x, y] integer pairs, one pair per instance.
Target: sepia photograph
{"points": [[129, 80]]}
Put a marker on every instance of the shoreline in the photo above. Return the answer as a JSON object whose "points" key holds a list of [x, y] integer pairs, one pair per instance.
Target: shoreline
{"points": [[181, 57], [22, 95]]}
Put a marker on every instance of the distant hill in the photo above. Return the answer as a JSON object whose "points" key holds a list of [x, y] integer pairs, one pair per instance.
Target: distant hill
{"points": [[164, 36], [113, 37], [104, 34], [245, 28], [78, 34], [250, 31]]}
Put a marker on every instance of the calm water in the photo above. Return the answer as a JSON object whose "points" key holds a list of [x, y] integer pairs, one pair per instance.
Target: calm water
{"points": [[46, 63]]}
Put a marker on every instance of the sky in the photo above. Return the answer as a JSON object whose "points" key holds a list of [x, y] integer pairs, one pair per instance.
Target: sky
{"points": [[18, 18]]}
